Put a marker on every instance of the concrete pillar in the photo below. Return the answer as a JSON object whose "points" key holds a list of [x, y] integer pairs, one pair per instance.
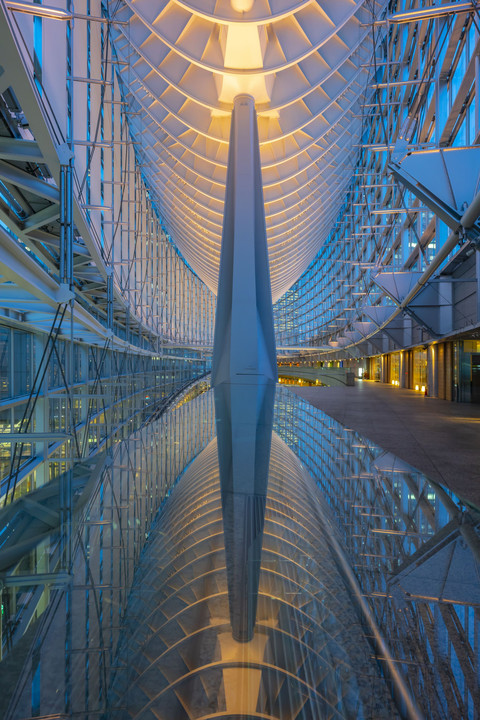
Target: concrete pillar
{"points": [[407, 329], [445, 307], [384, 366]]}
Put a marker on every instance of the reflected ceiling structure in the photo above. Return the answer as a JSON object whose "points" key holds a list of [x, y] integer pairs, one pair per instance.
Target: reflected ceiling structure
{"points": [[306, 65], [308, 658]]}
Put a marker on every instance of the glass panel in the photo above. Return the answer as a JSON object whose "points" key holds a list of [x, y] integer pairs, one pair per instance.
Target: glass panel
{"points": [[22, 368], [420, 369], [5, 388]]}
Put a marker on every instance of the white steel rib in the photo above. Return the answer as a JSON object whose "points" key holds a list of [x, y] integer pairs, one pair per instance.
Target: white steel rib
{"points": [[183, 62]]}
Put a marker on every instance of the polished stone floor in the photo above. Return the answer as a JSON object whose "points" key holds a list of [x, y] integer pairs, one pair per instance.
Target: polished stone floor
{"points": [[250, 598], [438, 437]]}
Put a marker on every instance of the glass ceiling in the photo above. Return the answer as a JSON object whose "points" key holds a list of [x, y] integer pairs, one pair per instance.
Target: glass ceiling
{"points": [[305, 63]]}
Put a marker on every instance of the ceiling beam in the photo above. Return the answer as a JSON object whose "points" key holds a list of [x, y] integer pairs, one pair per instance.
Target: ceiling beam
{"points": [[20, 150]]}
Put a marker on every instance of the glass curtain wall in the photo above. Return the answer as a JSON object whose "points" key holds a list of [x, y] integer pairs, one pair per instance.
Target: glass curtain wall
{"points": [[47, 422], [424, 95], [108, 320], [127, 274]]}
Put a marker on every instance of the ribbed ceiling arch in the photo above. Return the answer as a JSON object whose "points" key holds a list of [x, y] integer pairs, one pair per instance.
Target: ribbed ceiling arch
{"points": [[184, 61]]}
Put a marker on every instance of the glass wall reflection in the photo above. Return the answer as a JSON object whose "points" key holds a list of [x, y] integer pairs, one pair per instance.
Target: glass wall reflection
{"points": [[68, 554], [415, 550]]}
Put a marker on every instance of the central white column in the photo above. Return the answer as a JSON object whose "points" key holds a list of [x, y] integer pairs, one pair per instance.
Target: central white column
{"points": [[244, 342], [244, 372]]}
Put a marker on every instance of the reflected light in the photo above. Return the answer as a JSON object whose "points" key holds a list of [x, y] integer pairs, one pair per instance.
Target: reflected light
{"points": [[243, 46]]}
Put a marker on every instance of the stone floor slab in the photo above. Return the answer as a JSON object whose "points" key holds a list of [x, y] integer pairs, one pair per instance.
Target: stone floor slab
{"points": [[438, 437]]}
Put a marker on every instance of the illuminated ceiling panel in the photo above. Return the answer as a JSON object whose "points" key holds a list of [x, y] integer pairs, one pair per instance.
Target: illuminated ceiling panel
{"points": [[184, 61]]}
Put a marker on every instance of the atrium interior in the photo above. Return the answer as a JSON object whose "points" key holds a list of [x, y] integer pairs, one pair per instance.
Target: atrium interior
{"points": [[239, 359]]}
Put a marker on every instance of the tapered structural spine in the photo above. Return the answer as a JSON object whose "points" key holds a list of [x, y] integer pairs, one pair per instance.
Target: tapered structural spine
{"points": [[244, 342], [244, 368]]}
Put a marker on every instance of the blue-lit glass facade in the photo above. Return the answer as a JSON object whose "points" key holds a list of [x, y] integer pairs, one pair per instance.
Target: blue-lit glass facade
{"points": [[162, 553], [422, 101]]}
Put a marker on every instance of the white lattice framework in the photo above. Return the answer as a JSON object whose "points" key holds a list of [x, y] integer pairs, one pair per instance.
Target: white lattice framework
{"points": [[306, 64]]}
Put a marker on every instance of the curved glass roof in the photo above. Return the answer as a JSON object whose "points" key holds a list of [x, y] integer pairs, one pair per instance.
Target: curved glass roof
{"points": [[183, 62]]}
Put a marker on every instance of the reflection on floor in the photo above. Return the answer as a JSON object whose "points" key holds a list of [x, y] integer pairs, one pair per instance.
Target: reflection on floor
{"points": [[414, 548], [63, 600], [340, 514], [438, 437], [308, 657]]}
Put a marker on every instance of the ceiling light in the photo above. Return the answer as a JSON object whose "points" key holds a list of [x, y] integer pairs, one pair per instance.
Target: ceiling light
{"points": [[39, 10], [433, 12]]}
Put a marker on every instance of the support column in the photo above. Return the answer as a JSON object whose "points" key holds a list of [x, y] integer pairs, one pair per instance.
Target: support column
{"points": [[244, 342], [432, 382], [403, 369]]}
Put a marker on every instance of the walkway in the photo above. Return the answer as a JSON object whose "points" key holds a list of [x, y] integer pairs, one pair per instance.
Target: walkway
{"points": [[440, 438]]}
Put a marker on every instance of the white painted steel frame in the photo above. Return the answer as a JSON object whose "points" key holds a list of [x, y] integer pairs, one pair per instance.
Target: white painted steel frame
{"points": [[182, 64]]}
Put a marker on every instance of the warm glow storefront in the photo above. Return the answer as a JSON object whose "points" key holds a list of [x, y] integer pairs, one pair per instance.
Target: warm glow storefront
{"points": [[419, 363]]}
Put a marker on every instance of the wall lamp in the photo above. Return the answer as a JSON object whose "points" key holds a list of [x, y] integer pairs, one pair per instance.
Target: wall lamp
{"points": [[433, 12]]}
